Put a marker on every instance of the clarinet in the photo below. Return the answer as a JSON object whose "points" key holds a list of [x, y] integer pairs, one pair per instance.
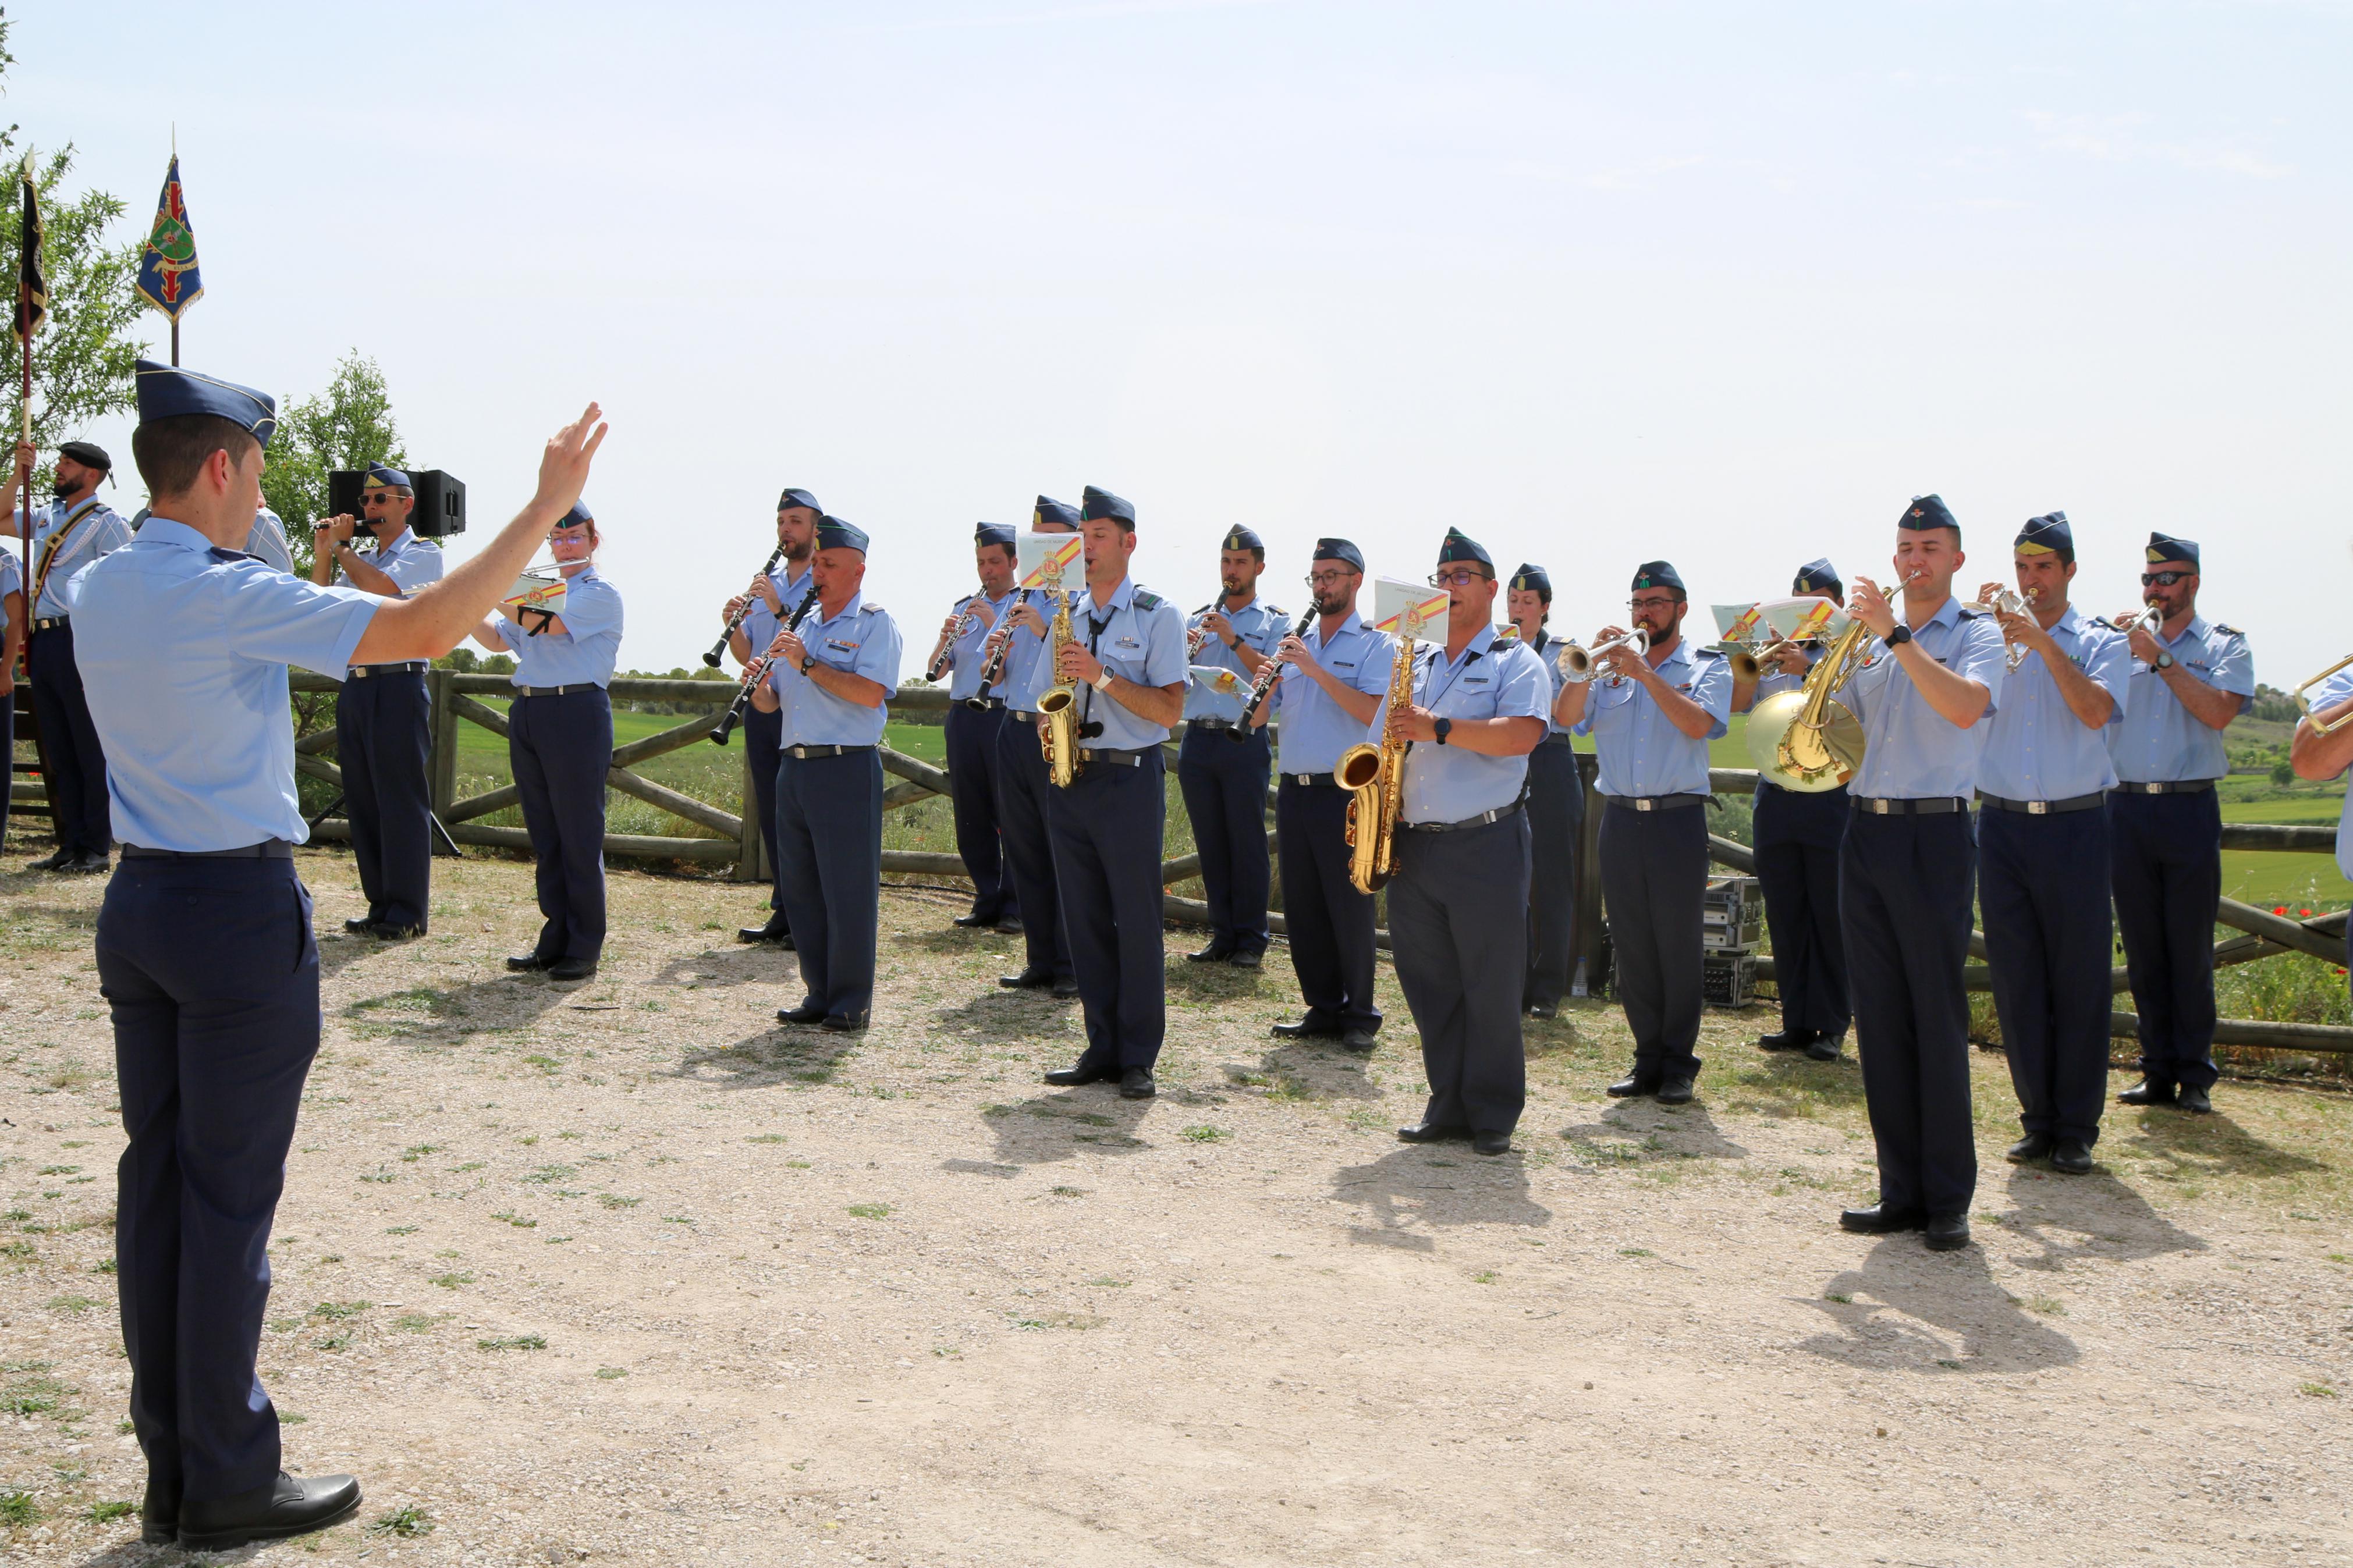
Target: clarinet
{"points": [[756, 672], [1264, 688], [947, 653], [712, 658], [994, 670]]}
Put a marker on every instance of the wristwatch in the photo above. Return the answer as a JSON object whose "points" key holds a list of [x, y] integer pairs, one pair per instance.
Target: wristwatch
{"points": [[1442, 728], [1899, 637], [1102, 682], [808, 662], [2164, 660]]}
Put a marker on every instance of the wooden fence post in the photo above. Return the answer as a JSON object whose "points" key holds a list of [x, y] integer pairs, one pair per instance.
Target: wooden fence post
{"points": [[441, 744], [1589, 874], [751, 849]]}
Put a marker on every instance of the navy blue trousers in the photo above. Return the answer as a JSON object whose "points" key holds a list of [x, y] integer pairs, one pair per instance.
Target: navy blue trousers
{"points": [[1654, 887], [1107, 829], [2164, 865], [1459, 931], [77, 780], [1224, 782], [1555, 830], [972, 777], [1796, 840], [1022, 788], [830, 854], [562, 748], [763, 738], [213, 978], [1905, 885], [7, 755], [1331, 924], [2042, 884], [382, 732]]}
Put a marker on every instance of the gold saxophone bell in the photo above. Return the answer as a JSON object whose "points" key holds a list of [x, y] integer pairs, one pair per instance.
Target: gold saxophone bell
{"points": [[1375, 776], [1057, 704]]}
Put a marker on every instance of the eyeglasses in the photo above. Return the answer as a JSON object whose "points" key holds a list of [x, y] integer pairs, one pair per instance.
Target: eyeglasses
{"points": [[2163, 579], [1655, 602], [1462, 577], [1329, 579]]}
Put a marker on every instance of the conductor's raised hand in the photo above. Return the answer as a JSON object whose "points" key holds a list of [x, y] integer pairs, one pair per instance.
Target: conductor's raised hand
{"points": [[571, 452]]}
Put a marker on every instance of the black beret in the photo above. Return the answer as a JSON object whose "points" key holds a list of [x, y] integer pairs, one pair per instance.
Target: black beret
{"points": [[1339, 550], [1928, 512], [89, 454], [1094, 504]]}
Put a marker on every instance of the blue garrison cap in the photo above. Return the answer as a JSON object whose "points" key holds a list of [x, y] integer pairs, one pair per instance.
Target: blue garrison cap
{"points": [[1049, 510], [1461, 546], [1657, 574], [1240, 538], [1928, 512], [1818, 576], [1532, 578], [2165, 547], [168, 391], [1094, 503], [992, 533], [1339, 550], [576, 516], [2047, 535], [832, 533], [380, 476], [799, 497]]}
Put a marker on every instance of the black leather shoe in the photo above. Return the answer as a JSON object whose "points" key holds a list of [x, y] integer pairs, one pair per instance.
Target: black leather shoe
{"points": [[1066, 989], [86, 866], [1213, 953], [1881, 1220], [1359, 1040], [1786, 1040], [527, 963], [2147, 1091], [1137, 1083], [1246, 959], [1541, 1010], [847, 1023], [1823, 1047], [1037, 977], [1947, 1232], [1675, 1091], [774, 930], [2071, 1157], [50, 862], [2194, 1100], [806, 1013], [1490, 1144], [2034, 1146], [1007, 928], [1430, 1133], [384, 930], [358, 927], [270, 1511], [1304, 1030], [159, 1515], [1074, 1077], [974, 923], [572, 969], [1632, 1085]]}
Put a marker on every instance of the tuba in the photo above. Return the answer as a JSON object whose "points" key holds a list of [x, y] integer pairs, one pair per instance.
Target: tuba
{"points": [[1376, 775], [1055, 704]]}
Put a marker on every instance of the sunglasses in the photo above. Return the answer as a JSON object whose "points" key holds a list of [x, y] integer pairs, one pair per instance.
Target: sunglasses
{"points": [[387, 497], [1462, 578], [2163, 579]]}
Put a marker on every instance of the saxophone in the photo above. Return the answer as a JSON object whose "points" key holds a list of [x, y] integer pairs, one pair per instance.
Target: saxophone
{"points": [[1060, 738], [1376, 774]]}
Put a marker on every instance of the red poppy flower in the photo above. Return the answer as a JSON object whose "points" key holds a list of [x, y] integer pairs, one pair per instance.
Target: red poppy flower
{"points": [[2279, 909]]}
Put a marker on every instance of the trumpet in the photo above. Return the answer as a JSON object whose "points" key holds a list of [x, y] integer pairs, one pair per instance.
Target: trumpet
{"points": [[719, 647], [2149, 620], [2009, 604], [2303, 704], [1575, 661]]}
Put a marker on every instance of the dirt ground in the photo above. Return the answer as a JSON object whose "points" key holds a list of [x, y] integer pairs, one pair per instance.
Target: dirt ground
{"points": [[623, 1272]]}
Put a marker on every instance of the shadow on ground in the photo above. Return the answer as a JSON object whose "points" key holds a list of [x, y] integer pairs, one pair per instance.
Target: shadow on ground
{"points": [[1063, 1125], [1907, 1308], [1409, 1191]]}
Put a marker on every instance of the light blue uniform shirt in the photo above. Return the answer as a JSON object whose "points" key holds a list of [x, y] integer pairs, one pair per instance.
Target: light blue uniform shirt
{"points": [[1910, 752], [760, 623], [2159, 738], [266, 540], [2327, 694], [96, 531], [1257, 623], [408, 561], [1025, 661], [1315, 730], [2038, 748], [1638, 750], [1139, 636], [585, 651], [182, 653], [964, 679], [1491, 680], [1547, 648], [863, 640], [11, 576]]}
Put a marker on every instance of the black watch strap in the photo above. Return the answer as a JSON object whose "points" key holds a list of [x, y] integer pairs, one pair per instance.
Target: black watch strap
{"points": [[1899, 637], [1443, 727]]}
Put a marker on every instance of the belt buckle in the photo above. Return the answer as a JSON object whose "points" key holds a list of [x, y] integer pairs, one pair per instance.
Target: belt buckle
{"points": [[800, 753], [1302, 778], [2038, 809], [1644, 803], [1879, 806]]}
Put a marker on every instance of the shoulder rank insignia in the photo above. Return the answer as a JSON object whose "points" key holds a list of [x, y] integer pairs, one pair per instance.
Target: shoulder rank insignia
{"points": [[1968, 614], [2227, 631], [1145, 599], [869, 607]]}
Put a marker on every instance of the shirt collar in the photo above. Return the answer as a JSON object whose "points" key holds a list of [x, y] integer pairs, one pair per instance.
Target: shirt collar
{"points": [[2196, 629], [847, 610], [1480, 641], [1121, 597], [1680, 653], [163, 531], [1251, 604], [2071, 621], [398, 542], [1949, 613], [1353, 624]]}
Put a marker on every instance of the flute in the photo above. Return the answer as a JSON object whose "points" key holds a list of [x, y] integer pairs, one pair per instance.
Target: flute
{"points": [[719, 647]]}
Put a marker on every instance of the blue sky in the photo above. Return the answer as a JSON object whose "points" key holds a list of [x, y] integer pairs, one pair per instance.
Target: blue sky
{"points": [[1722, 283]]}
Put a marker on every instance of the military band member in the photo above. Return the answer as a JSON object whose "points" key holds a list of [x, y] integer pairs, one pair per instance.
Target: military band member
{"points": [[2189, 679], [384, 714], [2042, 840], [2321, 757], [1651, 715], [203, 944], [833, 681], [1796, 835], [775, 596], [975, 719], [1336, 677], [1128, 661], [1556, 812], [1022, 785], [1221, 765], [1457, 895], [560, 744], [11, 643], [1907, 873], [71, 532], [266, 540]]}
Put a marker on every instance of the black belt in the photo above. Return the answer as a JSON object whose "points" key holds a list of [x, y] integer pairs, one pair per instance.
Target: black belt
{"points": [[1932, 805], [1482, 820], [412, 667], [1022, 713], [1310, 780], [558, 690], [46, 622], [1655, 801], [1557, 740], [1224, 726], [2092, 802], [267, 849], [2165, 786], [805, 752], [1119, 759], [983, 704]]}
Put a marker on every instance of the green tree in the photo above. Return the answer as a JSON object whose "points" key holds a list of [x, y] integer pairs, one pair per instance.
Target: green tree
{"points": [[349, 426]]}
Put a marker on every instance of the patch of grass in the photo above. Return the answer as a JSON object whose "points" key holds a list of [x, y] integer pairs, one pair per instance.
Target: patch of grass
{"points": [[796, 1164], [417, 1151], [766, 1137], [71, 1303], [104, 1266], [401, 1230], [2315, 1391], [1071, 1192], [19, 1509], [1484, 1277], [60, 1170], [406, 1522], [1078, 1320], [37, 1394], [1841, 1297], [415, 1323], [16, 1249], [544, 1064], [451, 1281], [2047, 1307], [338, 1309], [378, 1175], [1636, 1252], [547, 1176], [615, 1201], [609, 1372], [516, 1220], [1107, 1282], [512, 1343], [1205, 1133], [870, 1211], [108, 1512]]}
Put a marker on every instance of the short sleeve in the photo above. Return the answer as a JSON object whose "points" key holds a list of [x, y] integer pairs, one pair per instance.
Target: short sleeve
{"points": [[418, 566], [879, 649], [1373, 669], [267, 541], [1525, 693], [275, 618], [11, 576], [1712, 689], [2108, 663], [510, 634], [594, 613], [1164, 663], [1981, 655], [2234, 665]]}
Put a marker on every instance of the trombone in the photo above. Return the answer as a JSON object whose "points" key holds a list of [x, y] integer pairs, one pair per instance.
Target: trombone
{"points": [[2303, 704]]}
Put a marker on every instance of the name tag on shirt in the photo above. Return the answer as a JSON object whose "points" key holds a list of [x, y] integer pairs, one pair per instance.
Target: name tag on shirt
{"points": [[1125, 643]]}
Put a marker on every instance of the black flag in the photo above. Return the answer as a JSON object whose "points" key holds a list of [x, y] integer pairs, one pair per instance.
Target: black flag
{"points": [[32, 288]]}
